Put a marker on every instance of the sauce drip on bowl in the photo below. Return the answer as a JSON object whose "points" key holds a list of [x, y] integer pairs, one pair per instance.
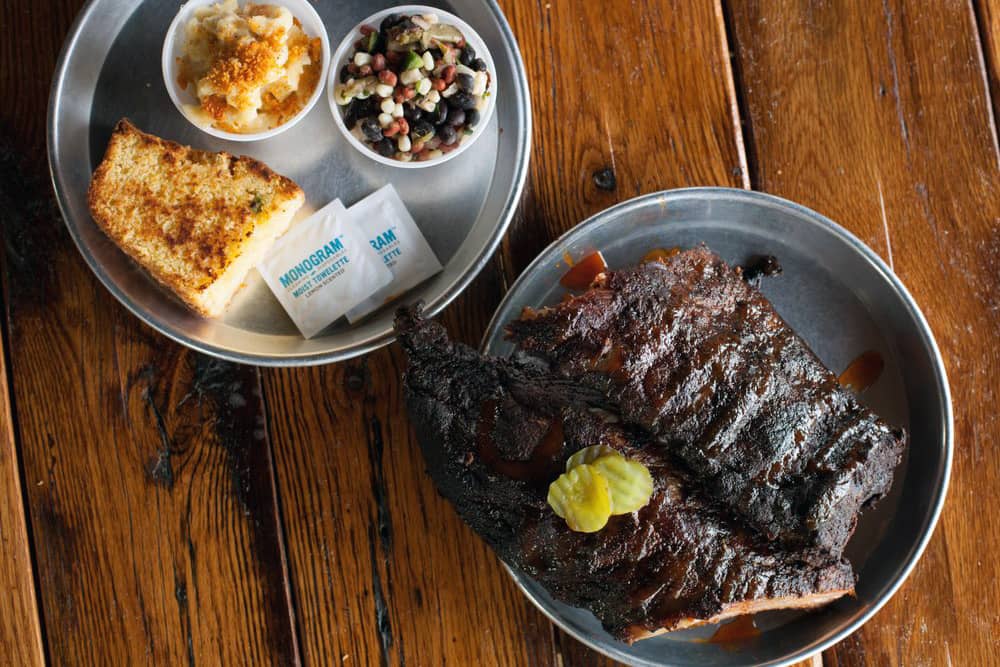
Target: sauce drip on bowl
{"points": [[584, 272], [862, 372], [735, 631], [660, 254]]}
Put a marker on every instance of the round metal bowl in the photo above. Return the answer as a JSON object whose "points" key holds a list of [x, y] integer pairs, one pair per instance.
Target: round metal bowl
{"points": [[839, 296], [110, 68]]}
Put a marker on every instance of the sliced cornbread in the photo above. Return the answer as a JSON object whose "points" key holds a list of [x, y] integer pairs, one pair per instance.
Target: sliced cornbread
{"points": [[197, 221]]}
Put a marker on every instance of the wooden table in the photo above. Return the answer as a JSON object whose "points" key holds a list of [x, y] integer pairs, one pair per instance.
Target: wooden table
{"points": [[158, 506]]}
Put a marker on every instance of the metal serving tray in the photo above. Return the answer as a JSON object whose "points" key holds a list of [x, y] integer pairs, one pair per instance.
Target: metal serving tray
{"points": [[110, 68], [839, 296]]}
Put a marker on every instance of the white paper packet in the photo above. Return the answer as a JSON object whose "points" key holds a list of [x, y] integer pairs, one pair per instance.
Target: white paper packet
{"points": [[322, 268], [395, 241]]}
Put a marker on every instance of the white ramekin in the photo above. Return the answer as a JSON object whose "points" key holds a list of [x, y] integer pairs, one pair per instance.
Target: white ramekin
{"points": [[173, 44], [340, 59]]}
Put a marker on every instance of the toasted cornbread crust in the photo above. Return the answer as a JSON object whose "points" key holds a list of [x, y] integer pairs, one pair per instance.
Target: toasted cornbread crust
{"points": [[185, 215]]}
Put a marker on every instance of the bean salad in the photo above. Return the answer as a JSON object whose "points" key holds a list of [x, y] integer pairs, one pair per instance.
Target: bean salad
{"points": [[413, 88]]}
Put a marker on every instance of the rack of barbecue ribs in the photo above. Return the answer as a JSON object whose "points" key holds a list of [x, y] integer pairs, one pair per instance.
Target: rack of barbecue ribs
{"points": [[689, 352], [761, 462], [495, 432]]}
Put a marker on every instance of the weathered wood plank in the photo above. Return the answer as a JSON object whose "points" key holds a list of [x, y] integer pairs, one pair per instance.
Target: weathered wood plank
{"points": [[383, 570], [148, 475], [147, 467], [20, 623], [880, 119]]}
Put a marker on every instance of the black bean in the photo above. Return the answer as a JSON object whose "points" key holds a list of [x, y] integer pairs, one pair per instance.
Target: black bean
{"points": [[421, 131], [456, 117], [472, 117], [436, 53], [428, 116], [386, 147], [371, 129], [345, 74], [364, 107], [440, 113], [467, 55], [479, 65], [351, 115], [461, 100], [448, 134], [466, 82], [411, 113]]}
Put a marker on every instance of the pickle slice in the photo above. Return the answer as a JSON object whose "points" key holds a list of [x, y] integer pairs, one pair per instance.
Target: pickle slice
{"points": [[630, 483], [581, 496], [589, 455]]}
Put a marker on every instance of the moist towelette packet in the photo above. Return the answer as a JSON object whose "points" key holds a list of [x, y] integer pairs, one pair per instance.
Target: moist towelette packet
{"points": [[322, 268], [395, 241]]}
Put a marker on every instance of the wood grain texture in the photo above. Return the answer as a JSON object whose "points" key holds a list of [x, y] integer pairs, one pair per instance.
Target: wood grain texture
{"points": [[20, 623], [35, 33], [383, 570], [881, 120], [625, 101], [24, 84], [148, 477], [987, 13], [147, 468]]}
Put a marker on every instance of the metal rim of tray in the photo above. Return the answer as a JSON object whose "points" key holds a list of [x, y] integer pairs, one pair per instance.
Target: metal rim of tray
{"points": [[906, 567], [433, 307]]}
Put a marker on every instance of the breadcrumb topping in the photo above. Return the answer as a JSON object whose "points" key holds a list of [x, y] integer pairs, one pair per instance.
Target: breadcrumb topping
{"points": [[252, 68]]}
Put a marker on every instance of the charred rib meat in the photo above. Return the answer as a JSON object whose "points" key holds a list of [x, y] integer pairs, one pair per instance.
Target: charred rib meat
{"points": [[496, 432], [686, 350]]}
